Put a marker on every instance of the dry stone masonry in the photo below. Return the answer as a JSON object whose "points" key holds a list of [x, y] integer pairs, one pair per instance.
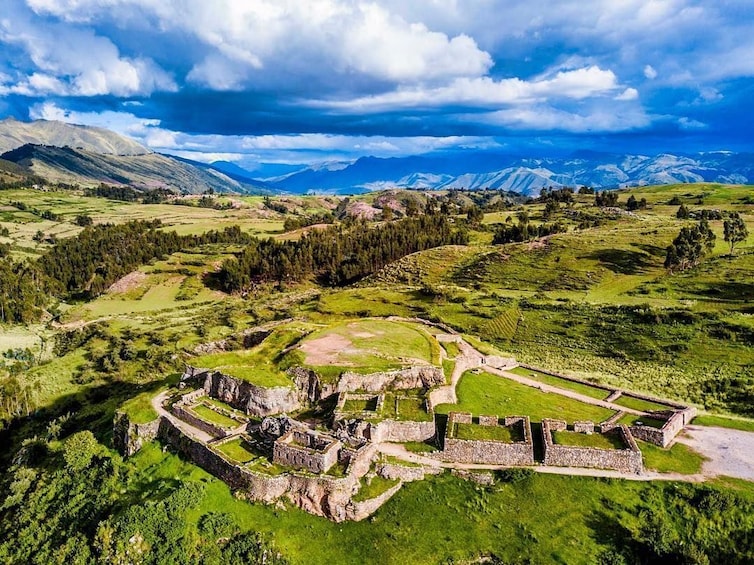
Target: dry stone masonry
{"points": [[321, 472], [627, 460], [489, 451]]}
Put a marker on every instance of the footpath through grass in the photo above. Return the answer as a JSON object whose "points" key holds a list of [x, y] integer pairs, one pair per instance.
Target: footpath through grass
{"points": [[484, 393]]}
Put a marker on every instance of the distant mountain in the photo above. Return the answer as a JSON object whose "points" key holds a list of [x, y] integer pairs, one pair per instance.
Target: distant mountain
{"points": [[14, 134], [148, 170], [519, 174]]}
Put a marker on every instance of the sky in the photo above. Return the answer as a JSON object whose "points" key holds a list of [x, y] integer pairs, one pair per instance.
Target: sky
{"points": [[305, 81]]}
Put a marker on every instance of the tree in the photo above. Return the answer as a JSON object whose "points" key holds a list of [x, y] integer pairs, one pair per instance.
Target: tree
{"points": [[689, 247], [606, 199], [551, 208], [683, 213], [734, 230], [387, 213]]}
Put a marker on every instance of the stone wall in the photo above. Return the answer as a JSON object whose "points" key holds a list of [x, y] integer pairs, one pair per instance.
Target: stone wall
{"points": [[357, 511], [626, 460], [321, 495], [306, 449], [487, 452], [128, 437], [409, 378], [250, 398], [675, 422], [402, 431]]}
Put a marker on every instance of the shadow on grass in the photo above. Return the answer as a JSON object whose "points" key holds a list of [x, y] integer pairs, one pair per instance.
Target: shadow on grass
{"points": [[621, 261], [91, 408]]}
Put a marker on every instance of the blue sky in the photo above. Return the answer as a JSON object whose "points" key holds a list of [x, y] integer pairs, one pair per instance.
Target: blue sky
{"points": [[293, 81]]}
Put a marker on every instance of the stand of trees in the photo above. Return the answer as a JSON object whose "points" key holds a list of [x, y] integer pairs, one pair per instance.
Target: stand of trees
{"points": [[93, 260], [606, 199], [734, 231], [337, 255], [689, 247], [524, 231]]}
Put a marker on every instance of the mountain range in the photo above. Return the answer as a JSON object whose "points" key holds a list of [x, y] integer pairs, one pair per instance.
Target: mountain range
{"points": [[73, 154], [525, 175]]}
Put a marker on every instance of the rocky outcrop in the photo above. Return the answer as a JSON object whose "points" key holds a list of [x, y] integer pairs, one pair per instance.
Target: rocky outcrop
{"points": [[129, 437], [252, 399], [245, 340], [409, 378]]}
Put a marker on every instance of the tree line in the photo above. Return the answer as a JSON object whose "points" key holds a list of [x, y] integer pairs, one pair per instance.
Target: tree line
{"points": [[337, 255]]}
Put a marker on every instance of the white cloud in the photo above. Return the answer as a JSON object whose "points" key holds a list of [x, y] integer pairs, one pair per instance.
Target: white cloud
{"points": [[628, 94], [72, 61], [340, 36], [650, 72], [576, 84]]}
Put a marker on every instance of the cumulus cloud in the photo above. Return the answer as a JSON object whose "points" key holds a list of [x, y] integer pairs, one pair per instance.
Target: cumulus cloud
{"points": [[69, 61], [485, 91], [650, 72]]}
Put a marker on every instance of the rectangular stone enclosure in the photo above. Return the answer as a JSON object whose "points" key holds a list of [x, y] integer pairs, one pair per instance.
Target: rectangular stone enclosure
{"points": [[306, 449], [627, 459], [489, 441]]}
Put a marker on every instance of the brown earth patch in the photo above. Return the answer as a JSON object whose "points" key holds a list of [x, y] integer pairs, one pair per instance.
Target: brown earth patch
{"points": [[124, 284], [325, 350]]}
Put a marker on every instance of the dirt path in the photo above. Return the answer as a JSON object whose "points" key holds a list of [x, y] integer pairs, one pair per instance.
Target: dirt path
{"points": [[728, 452], [468, 358], [187, 429]]}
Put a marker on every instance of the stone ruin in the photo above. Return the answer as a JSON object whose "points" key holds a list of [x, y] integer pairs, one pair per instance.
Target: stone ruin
{"points": [[313, 451], [627, 460], [489, 451]]}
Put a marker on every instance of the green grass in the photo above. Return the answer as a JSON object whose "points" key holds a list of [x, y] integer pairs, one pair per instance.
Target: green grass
{"points": [[679, 458], [724, 422], [235, 450], [360, 405], [596, 440], [640, 404], [260, 364], [419, 447], [546, 519], [505, 434], [484, 393], [448, 366], [632, 419], [243, 365], [214, 417], [405, 408], [593, 392], [140, 409], [376, 345], [451, 348], [373, 487]]}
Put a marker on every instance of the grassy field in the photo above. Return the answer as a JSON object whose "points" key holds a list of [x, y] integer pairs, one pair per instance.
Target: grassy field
{"points": [[679, 458], [545, 519], [485, 433], [373, 487], [484, 393], [214, 417], [370, 345], [633, 419], [640, 404], [586, 390], [724, 422], [235, 450], [596, 440]]}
